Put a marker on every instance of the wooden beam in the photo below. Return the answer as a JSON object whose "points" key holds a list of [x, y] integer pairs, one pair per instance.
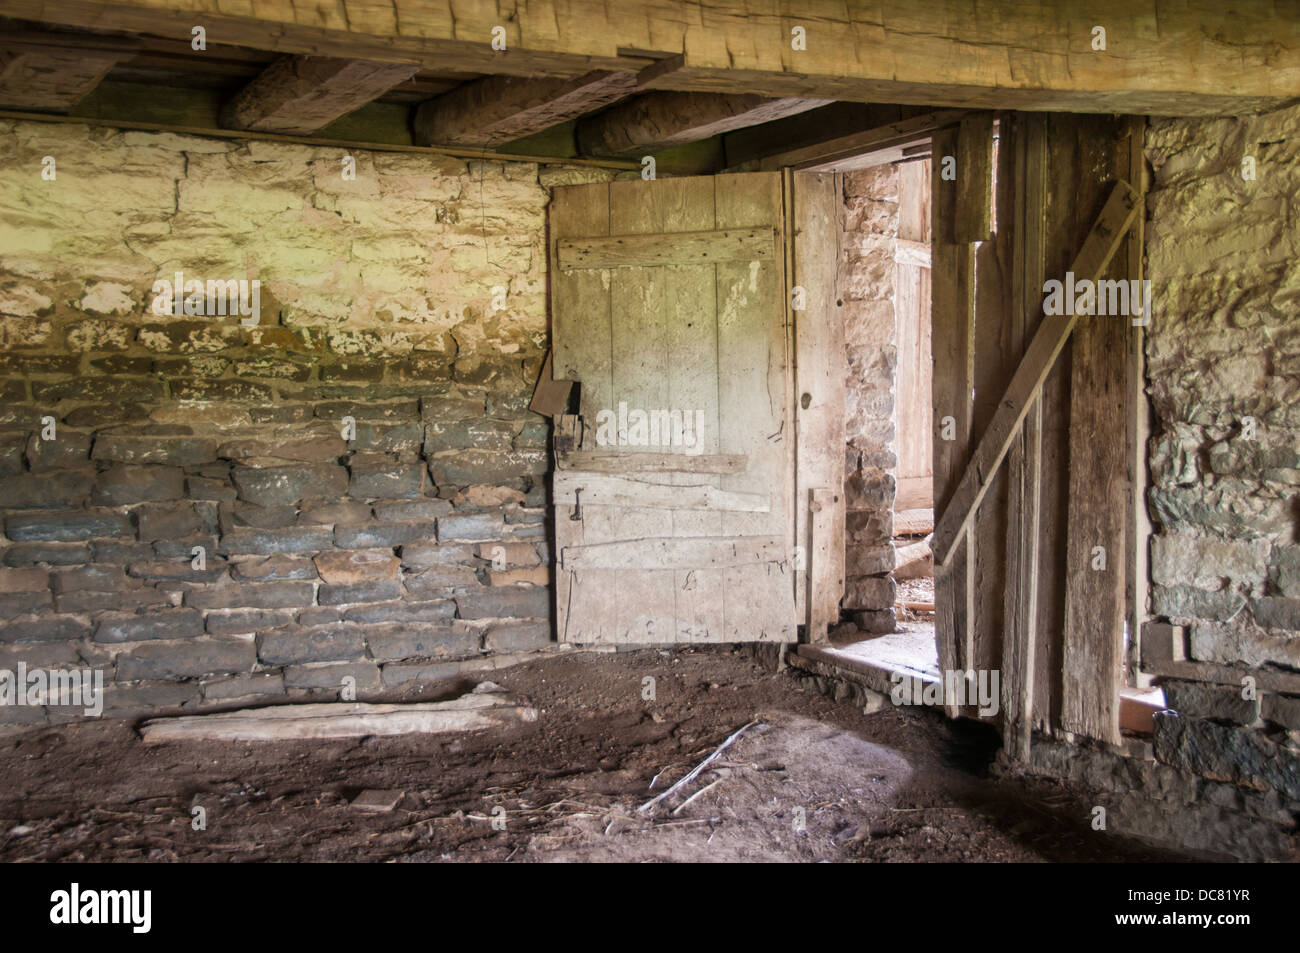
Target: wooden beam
{"points": [[656, 121], [50, 78], [1204, 59], [974, 221], [299, 95], [497, 109], [1098, 249], [892, 135]]}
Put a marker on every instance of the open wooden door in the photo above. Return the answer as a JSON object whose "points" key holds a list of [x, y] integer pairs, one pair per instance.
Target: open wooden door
{"points": [[674, 485]]}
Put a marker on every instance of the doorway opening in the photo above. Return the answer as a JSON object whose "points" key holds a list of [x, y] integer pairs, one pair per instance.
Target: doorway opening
{"points": [[888, 609]]}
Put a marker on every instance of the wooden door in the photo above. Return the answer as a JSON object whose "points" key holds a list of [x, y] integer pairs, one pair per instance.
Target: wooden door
{"points": [[673, 486]]}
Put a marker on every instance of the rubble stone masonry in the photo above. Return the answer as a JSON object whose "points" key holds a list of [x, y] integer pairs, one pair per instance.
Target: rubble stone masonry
{"points": [[360, 467]]}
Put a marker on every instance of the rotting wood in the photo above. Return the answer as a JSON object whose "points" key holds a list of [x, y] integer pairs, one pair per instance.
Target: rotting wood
{"points": [[695, 772], [684, 248], [470, 712], [1053, 332], [300, 95]]}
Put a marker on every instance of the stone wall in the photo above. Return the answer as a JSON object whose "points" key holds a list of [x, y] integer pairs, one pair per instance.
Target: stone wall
{"points": [[1223, 354], [408, 302], [867, 285]]}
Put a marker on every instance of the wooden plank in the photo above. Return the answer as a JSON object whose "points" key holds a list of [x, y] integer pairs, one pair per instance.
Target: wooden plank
{"points": [[32, 78], [912, 253], [550, 396], [499, 109], [299, 95], [615, 461], [754, 388], [825, 561], [1099, 502], [974, 222], [1138, 529], [998, 347], [684, 248], [1024, 460], [655, 121], [820, 386], [682, 553], [602, 489], [952, 341], [1047, 343], [903, 132], [471, 712]]}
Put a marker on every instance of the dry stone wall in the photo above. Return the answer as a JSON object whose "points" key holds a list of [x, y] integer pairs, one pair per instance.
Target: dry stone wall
{"points": [[867, 286], [1223, 358], [358, 471]]}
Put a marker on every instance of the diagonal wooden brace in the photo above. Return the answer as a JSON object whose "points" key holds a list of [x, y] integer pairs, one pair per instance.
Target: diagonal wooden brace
{"points": [[1098, 249]]}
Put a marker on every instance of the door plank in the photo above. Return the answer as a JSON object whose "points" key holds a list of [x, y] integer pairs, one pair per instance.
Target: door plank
{"points": [[685, 247], [690, 553], [616, 461], [603, 489]]}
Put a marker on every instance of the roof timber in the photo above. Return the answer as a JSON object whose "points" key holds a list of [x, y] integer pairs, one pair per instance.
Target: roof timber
{"points": [[1162, 57]]}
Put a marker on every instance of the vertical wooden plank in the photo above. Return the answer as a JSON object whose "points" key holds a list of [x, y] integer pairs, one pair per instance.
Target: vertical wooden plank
{"points": [[752, 401], [1139, 524], [998, 347], [952, 332], [581, 333], [1025, 458], [974, 222], [1098, 493], [820, 387]]}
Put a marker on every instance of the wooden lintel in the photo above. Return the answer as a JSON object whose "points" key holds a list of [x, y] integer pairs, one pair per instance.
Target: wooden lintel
{"points": [[891, 135], [1202, 60], [497, 109], [658, 120], [1098, 248], [299, 95]]}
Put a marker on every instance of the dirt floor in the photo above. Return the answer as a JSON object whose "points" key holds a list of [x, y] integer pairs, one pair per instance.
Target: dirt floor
{"points": [[807, 780]]}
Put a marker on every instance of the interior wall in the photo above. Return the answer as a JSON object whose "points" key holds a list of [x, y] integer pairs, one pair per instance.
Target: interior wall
{"points": [[867, 274], [1223, 359], [411, 299]]}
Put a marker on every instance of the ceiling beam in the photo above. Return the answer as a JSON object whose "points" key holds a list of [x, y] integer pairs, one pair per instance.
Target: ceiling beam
{"points": [[40, 76], [858, 149], [658, 120], [499, 109], [299, 95], [1162, 57]]}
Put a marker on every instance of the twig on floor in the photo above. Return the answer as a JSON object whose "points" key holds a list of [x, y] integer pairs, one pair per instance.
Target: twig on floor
{"points": [[707, 787], [698, 768]]}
